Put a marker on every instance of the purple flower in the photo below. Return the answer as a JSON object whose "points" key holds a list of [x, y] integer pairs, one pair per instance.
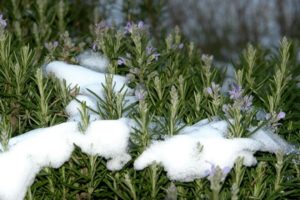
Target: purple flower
{"points": [[128, 28], [156, 55], [3, 22], [149, 50], [140, 93], [247, 103], [94, 47], [209, 90], [280, 115], [99, 27], [140, 25], [55, 44], [226, 170], [213, 89], [212, 171], [235, 92], [121, 61], [50, 46], [180, 46]]}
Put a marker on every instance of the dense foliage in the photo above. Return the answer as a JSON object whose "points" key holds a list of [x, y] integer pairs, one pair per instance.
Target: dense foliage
{"points": [[173, 81]]}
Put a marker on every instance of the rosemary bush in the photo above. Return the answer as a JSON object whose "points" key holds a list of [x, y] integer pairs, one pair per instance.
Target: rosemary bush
{"points": [[175, 85]]}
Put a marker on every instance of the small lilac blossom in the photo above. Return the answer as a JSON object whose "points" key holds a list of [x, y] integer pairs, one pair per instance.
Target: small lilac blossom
{"points": [[141, 25], [180, 46], [280, 115], [128, 28], [94, 47], [214, 89], [99, 27], [121, 61], [156, 55], [247, 103], [212, 171], [55, 44], [209, 90], [3, 22], [235, 92], [149, 50], [207, 59], [50, 46], [140, 93]]}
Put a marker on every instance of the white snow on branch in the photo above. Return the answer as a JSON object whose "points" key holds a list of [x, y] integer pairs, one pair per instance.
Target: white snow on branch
{"points": [[76, 75], [51, 147], [93, 60], [190, 154]]}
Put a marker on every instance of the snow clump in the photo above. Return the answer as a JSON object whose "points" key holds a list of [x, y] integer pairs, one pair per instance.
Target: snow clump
{"points": [[93, 61], [190, 154], [53, 146]]}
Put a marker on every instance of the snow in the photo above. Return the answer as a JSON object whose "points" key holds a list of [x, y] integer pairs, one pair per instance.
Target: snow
{"points": [[93, 61], [272, 142], [49, 147], [52, 146], [109, 139], [190, 154], [186, 156], [76, 75], [29, 153], [74, 107], [17, 174]]}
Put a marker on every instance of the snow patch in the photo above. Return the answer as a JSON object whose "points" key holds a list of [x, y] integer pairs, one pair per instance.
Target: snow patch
{"points": [[189, 155], [51, 147], [272, 142], [74, 107], [107, 138], [17, 174], [93, 61], [76, 75]]}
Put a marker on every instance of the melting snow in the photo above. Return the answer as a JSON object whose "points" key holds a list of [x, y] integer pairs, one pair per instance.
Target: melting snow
{"points": [[93, 60], [76, 75], [51, 147], [190, 154]]}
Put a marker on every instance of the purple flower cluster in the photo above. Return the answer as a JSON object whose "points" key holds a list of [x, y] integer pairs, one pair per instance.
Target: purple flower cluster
{"points": [[213, 169], [151, 52], [50, 46], [274, 118], [3, 22], [140, 92], [130, 26], [122, 61], [240, 102], [101, 26], [213, 90], [236, 92]]}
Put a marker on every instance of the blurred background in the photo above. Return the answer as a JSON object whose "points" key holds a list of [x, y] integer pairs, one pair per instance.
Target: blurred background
{"points": [[218, 27]]}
